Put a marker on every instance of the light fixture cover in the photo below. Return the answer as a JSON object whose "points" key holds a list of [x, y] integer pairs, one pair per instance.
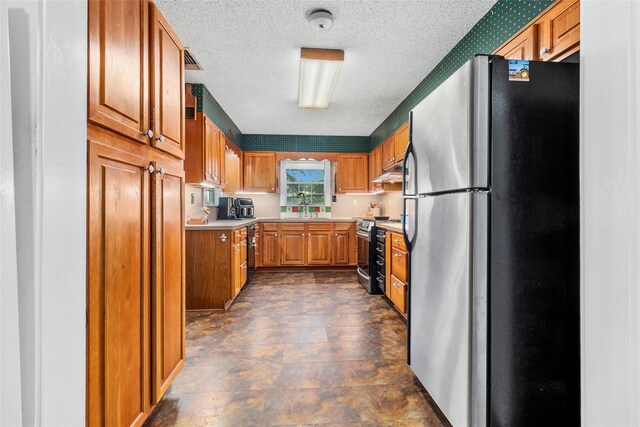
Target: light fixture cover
{"points": [[319, 69]]}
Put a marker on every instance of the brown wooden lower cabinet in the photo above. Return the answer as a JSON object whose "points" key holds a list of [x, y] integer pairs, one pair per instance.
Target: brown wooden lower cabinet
{"points": [[397, 268], [135, 284], [293, 244], [216, 267], [167, 275], [118, 294], [344, 244], [270, 250], [309, 243], [318, 244], [398, 294]]}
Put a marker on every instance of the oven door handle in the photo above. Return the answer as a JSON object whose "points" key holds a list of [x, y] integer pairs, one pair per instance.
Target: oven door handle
{"points": [[364, 236], [361, 274]]}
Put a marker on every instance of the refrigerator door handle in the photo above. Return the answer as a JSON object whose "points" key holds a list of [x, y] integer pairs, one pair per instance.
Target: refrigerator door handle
{"points": [[409, 241]]}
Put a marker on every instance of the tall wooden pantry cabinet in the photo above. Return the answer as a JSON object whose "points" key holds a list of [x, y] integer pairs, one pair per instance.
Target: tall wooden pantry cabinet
{"points": [[136, 264]]}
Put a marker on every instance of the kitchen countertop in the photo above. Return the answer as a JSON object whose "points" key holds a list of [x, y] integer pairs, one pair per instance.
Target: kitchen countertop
{"points": [[239, 223], [392, 226]]}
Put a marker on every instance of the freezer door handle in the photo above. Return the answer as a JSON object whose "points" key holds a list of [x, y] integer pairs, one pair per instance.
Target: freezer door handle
{"points": [[405, 172]]}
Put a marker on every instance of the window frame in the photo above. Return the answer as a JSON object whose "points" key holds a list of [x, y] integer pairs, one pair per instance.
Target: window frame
{"points": [[305, 164]]}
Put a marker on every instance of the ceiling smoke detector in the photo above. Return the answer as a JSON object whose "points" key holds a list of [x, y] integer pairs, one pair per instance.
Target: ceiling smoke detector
{"points": [[321, 20]]}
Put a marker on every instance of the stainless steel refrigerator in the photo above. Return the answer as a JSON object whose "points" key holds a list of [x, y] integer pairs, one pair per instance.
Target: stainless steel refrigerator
{"points": [[491, 190]]}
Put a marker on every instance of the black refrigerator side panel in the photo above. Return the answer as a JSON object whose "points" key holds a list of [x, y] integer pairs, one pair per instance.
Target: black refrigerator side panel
{"points": [[534, 303]]}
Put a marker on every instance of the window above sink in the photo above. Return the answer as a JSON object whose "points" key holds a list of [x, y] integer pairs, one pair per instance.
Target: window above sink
{"points": [[305, 182]]}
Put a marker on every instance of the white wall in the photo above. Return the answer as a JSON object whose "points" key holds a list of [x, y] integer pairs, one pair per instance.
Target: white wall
{"points": [[62, 206], [610, 60], [49, 143], [10, 375]]}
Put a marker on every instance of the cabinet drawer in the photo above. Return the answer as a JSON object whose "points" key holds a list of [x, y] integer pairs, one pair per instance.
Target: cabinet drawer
{"points": [[294, 226], [269, 226], [397, 241], [398, 293], [399, 264], [320, 226], [342, 226]]}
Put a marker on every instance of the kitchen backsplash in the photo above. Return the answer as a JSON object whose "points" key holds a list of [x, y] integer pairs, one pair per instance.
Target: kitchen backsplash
{"points": [[268, 205], [391, 204]]}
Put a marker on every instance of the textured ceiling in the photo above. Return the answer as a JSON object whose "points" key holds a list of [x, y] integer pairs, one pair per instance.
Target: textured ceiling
{"points": [[250, 55]]}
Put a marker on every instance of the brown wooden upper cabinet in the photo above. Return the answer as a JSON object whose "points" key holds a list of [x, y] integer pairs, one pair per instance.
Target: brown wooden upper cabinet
{"points": [[203, 151], [233, 167], [523, 46], [388, 151], [352, 173], [552, 36], [401, 141], [136, 74], [119, 67], [375, 168], [559, 34], [167, 83], [260, 171]]}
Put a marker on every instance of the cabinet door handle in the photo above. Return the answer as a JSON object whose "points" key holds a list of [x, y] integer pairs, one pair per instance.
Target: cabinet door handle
{"points": [[223, 237], [161, 171], [275, 235], [149, 133], [150, 168], [396, 255], [160, 138], [544, 51], [302, 234]]}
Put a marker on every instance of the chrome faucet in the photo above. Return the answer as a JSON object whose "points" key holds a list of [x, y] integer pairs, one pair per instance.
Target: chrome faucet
{"points": [[302, 204]]}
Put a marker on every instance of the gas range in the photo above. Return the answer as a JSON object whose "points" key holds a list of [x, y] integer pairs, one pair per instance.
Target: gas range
{"points": [[371, 254], [367, 224]]}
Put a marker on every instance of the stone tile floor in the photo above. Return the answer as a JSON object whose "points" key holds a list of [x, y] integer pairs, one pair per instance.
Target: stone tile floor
{"points": [[307, 348]]}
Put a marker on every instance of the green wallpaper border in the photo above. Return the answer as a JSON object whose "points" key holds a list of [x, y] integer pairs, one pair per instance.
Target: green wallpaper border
{"points": [[319, 143], [503, 20], [208, 104]]}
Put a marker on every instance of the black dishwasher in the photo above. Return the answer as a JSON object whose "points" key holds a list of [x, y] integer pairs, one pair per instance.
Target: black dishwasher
{"points": [[380, 259]]}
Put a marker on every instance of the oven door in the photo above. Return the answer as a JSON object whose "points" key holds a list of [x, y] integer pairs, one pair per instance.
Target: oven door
{"points": [[364, 242]]}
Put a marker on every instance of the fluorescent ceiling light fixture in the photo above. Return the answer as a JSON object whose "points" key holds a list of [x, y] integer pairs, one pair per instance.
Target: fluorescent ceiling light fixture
{"points": [[319, 69]]}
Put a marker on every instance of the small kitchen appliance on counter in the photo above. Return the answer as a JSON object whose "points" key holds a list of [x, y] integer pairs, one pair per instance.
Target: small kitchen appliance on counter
{"points": [[227, 208], [244, 208]]}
